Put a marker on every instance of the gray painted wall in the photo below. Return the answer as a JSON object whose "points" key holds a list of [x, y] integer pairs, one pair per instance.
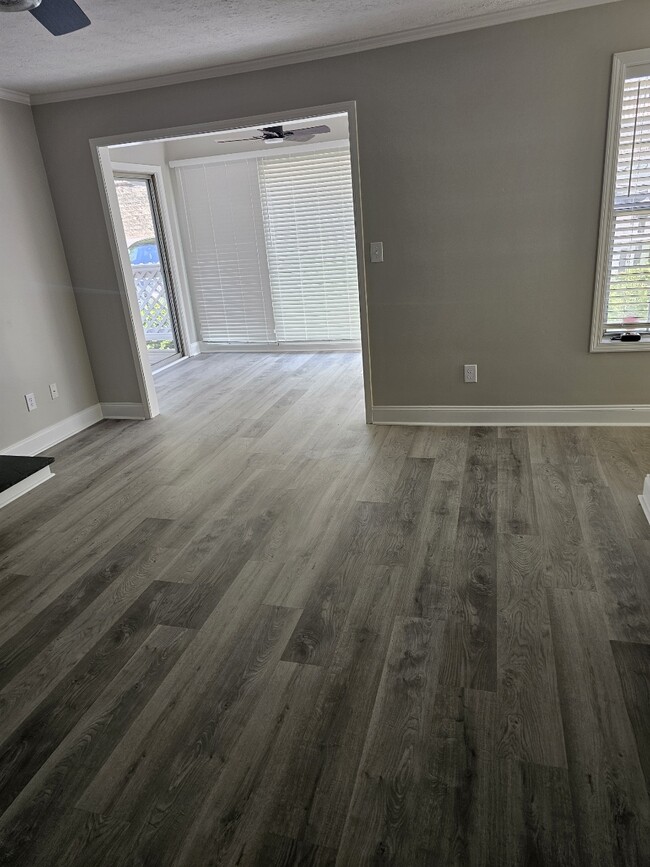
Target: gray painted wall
{"points": [[40, 335], [481, 163]]}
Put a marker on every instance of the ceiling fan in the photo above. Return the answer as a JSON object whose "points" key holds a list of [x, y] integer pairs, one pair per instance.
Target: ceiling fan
{"points": [[279, 133], [57, 16]]}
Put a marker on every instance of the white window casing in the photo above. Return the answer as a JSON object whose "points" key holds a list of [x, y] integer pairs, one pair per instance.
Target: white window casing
{"points": [[622, 293]]}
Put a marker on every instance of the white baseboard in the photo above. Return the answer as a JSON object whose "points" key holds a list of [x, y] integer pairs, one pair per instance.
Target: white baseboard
{"points": [[644, 498], [512, 415], [26, 485], [133, 411], [272, 348], [51, 436], [56, 433]]}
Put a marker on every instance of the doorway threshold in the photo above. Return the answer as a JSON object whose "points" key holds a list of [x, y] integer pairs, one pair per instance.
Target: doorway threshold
{"points": [[171, 364]]}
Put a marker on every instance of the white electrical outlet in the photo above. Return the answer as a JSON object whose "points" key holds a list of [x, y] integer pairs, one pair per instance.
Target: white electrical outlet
{"points": [[54, 391], [30, 400], [376, 251], [471, 372]]}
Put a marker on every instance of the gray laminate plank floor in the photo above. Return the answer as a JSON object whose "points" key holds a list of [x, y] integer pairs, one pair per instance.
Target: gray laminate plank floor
{"points": [[256, 631]]}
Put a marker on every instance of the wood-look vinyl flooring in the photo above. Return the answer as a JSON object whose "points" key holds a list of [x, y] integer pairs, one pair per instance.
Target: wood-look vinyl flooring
{"points": [[256, 631]]}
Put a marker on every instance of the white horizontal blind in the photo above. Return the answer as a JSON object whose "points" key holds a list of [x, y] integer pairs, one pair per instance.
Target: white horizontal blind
{"points": [[311, 248], [628, 296], [223, 243]]}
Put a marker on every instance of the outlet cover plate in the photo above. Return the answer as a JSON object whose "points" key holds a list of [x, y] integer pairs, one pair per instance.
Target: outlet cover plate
{"points": [[376, 251], [471, 372]]}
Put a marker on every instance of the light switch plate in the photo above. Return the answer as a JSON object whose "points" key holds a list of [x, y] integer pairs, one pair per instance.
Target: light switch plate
{"points": [[30, 400], [54, 390], [376, 251]]}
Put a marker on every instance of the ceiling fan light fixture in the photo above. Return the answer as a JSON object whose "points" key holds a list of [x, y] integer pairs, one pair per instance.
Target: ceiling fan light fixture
{"points": [[18, 5]]}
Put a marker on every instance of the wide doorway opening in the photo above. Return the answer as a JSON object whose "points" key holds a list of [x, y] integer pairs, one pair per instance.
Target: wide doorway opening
{"points": [[242, 238], [268, 236]]}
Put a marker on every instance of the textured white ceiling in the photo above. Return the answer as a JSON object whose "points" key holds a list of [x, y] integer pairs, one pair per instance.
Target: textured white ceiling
{"points": [[140, 38]]}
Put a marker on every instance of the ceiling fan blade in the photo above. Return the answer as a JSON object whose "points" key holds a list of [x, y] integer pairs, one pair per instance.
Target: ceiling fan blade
{"points": [[308, 130], [278, 133], [60, 16]]}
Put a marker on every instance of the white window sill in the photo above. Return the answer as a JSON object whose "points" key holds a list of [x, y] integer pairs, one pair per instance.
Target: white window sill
{"points": [[607, 345]]}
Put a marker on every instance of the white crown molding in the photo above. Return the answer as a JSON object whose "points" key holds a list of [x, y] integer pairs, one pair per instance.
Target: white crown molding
{"points": [[512, 415], [55, 433], [130, 411], [459, 25], [15, 96]]}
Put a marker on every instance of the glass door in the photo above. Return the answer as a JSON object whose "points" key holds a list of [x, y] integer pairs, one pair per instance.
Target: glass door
{"points": [[140, 213]]}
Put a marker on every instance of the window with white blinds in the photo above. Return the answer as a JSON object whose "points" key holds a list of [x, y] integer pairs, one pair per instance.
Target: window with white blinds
{"points": [[623, 299], [310, 241], [223, 245], [270, 248]]}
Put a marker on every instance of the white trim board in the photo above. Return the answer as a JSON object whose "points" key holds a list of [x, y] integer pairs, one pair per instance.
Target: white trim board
{"points": [[15, 96], [644, 498], [512, 415], [26, 485], [459, 25], [51, 436], [56, 433], [127, 291], [157, 370], [273, 348], [128, 411], [622, 64]]}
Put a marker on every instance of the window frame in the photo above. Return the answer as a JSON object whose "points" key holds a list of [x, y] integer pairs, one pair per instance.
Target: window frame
{"points": [[623, 64]]}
